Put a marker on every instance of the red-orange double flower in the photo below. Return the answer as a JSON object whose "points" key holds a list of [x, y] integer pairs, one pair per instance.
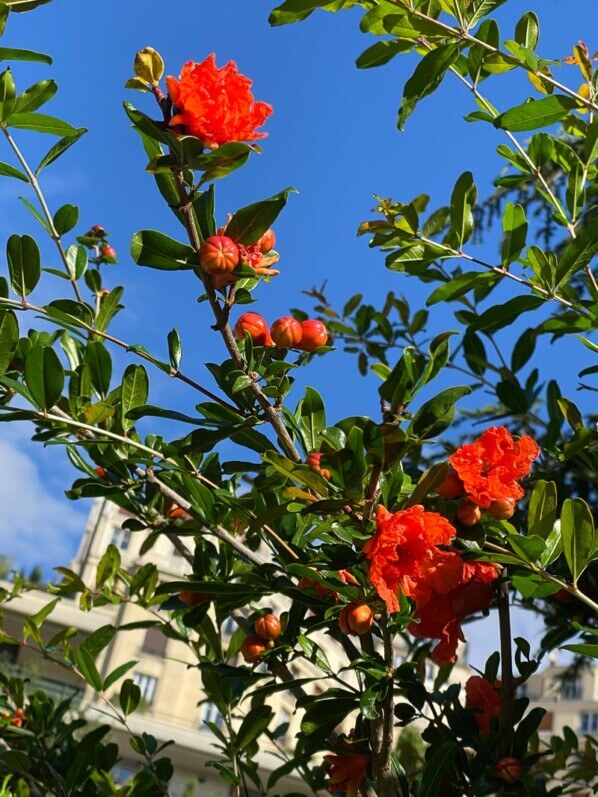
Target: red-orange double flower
{"points": [[440, 617], [216, 105], [489, 467], [404, 555], [345, 773]]}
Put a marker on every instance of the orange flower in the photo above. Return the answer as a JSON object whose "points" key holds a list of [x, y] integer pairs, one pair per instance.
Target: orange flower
{"points": [[345, 773], [216, 105], [490, 467], [403, 554], [440, 617], [481, 695]]}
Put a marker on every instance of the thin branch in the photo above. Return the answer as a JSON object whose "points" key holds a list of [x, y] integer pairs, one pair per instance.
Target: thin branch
{"points": [[175, 374], [45, 209], [506, 667]]}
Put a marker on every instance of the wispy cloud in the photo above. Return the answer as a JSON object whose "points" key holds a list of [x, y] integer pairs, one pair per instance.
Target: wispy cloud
{"points": [[38, 526]]}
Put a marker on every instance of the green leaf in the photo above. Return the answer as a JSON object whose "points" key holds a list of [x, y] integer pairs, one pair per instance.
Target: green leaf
{"points": [[87, 667], [577, 529], [16, 54], [222, 161], [134, 393], [175, 349], [25, 5], [24, 263], [4, 12], [41, 123], [130, 697], [579, 252], [462, 202], [249, 224], [479, 9], [582, 649], [36, 96], [7, 94], [156, 250], [44, 376], [9, 338], [66, 218], [9, 171], [437, 414], [502, 315], [514, 224], [461, 285], [60, 148], [99, 361], [381, 53], [302, 474], [312, 418], [541, 514], [71, 312], [437, 765], [535, 114], [118, 673], [427, 77], [314, 653], [527, 30], [254, 724]]}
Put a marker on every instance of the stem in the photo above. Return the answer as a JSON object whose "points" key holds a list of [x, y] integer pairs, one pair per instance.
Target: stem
{"points": [[506, 662], [382, 740], [272, 414], [45, 210], [462, 34]]}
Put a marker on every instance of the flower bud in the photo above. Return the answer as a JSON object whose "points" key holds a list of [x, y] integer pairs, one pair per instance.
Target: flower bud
{"points": [[508, 770], [356, 619], [286, 332], [102, 473], [313, 335], [149, 66], [256, 326], [267, 627], [252, 648], [469, 514], [502, 509], [193, 598], [267, 242], [313, 461], [108, 252], [451, 487], [218, 254]]}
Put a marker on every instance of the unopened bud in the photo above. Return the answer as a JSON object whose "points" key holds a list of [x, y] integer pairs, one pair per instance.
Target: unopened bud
{"points": [[149, 66]]}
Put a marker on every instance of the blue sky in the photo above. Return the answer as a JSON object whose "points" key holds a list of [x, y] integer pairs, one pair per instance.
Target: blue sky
{"points": [[333, 136]]}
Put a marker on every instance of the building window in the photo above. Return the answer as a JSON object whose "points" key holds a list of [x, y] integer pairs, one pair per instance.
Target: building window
{"points": [[589, 721], [211, 713], [154, 642], [121, 538], [571, 689], [147, 686]]}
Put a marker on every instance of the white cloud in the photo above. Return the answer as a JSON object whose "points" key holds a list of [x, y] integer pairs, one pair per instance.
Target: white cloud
{"points": [[38, 525]]}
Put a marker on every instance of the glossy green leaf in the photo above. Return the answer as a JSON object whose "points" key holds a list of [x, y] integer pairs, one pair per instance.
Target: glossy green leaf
{"points": [[436, 768], [6, 170], [156, 250], [249, 224], [437, 414], [542, 509], [7, 94], [253, 725], [381, 53], [502, 315], [36, 96], [312, 418], [66, 218], [41, 123], [24, 263], [535, 114], [577, 530], [134, 393], [461, 208], [579, 252], [428, 75], [9, 337], [25, 5], [514, 224], [60, 148], [130, 697], [479, 9], [44, 376], [99, 361], [16, 54]]}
